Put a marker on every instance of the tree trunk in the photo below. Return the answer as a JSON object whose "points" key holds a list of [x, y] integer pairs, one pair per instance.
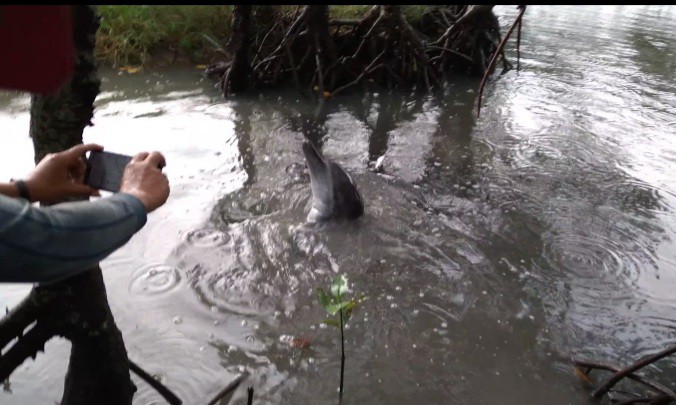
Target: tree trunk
{"points": [[239, 75], [98, 369], [317, 20]]}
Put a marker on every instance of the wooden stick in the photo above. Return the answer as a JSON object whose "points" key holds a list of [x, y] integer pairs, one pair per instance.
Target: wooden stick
{"points": [[159, 387], [451, 51], [518, 47], [294, 70], [639, 379], [249, 395], [342, 354], [361, 76], [228, 389], [631, 369], [318, 61], [495, 57]]}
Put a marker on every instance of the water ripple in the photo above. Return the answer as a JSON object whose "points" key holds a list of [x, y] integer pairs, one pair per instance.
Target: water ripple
{"points": [[235, 290], [207, 237], [588, 256], [639, 196], [154, 279]]}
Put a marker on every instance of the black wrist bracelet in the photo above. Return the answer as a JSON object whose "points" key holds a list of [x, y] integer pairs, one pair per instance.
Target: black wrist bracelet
{"points": [[23, 190]]}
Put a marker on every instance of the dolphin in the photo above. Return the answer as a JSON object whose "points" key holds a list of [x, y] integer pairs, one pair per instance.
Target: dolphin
{"points": [[334, 194]]}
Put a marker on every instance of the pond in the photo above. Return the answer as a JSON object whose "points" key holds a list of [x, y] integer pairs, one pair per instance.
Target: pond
{"points": [[491, 249]]}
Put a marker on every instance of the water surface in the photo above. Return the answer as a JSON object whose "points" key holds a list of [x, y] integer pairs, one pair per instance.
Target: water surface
{"points": [[491, 250]]}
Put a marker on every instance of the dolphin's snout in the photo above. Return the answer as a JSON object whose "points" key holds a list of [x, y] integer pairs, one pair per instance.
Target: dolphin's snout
{"points": [[314, 159], [308, 148]]}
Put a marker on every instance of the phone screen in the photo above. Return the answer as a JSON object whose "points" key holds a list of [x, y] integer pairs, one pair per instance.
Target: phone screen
{"points": [[105, 169]]}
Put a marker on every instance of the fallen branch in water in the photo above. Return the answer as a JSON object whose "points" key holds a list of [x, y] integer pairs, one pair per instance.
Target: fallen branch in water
{"points": [[589, 366], [228, 389], [665, 393], [631, 369], [498, 52], [518, 46], [159, 387]]}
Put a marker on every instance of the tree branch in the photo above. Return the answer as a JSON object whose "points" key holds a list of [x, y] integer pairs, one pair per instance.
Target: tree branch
{"points": [[27, 346], [495, 57], [159, 387], [361, 76], [471, 12], [228, 389], [642, 380], [631, 369]]}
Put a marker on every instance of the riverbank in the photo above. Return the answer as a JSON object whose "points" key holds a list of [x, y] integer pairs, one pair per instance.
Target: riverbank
{"points": [[161, 35]]}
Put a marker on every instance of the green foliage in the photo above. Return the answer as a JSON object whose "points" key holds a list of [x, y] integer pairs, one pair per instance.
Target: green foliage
{"points": [[339, 286], [335, 301], [128, 34], [412, 13], [353, 12]]}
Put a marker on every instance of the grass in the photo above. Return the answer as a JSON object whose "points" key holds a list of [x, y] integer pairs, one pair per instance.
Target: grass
{"points": [[355, 12], [130, 35]]}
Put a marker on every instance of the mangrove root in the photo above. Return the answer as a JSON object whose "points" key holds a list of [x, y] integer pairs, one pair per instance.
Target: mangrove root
{"points": [[658, 392], [328, 57]]}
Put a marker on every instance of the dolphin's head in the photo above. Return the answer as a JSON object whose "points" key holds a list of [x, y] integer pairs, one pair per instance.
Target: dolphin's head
{"points": [[334, 194], [320, 181]]}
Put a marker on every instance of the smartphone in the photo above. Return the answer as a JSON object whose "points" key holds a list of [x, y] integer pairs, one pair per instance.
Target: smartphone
{"points": [[105, 169]]}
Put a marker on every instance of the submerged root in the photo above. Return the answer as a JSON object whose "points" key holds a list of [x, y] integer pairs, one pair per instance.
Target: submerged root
{"points": [[658, 393]]}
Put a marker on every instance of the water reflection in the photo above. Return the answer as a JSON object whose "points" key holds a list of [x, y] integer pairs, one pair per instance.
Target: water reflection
{"points": [[654, 52]]}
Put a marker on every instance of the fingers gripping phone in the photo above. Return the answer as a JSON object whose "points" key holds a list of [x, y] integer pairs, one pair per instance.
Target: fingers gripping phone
{"points": [[105, 170]]}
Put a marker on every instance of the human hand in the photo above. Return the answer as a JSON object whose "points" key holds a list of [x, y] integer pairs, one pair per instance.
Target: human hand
{"points": [[143, 179], [61, 175]]}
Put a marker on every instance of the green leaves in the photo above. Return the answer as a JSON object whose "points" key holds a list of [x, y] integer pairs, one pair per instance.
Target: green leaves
{"points": [[324, 298], [334, 301], [333, 309], [339, 286]]}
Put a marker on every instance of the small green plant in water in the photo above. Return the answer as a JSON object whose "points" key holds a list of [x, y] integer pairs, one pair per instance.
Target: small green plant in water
{"points": [[336, 303]]}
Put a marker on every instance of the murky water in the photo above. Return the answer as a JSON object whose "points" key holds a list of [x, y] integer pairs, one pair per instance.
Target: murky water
{"points": [[491, 250]]}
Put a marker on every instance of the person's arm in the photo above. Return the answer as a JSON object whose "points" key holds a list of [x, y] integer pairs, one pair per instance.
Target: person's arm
{"points": [[9, 190], [42, 244], [39, 244]]}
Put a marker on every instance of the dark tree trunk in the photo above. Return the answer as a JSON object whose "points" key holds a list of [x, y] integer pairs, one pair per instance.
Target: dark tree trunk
{"points": [[238, 76], [98, 371], [76, 308], [317, 20], [57, 121]]}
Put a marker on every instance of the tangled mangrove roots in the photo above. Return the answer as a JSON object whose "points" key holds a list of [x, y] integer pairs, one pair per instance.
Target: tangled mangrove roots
{"points": [[330, 56]]}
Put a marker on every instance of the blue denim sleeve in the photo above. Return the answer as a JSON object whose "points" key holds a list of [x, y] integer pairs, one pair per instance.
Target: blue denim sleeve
{"points": [[44, 244]]}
